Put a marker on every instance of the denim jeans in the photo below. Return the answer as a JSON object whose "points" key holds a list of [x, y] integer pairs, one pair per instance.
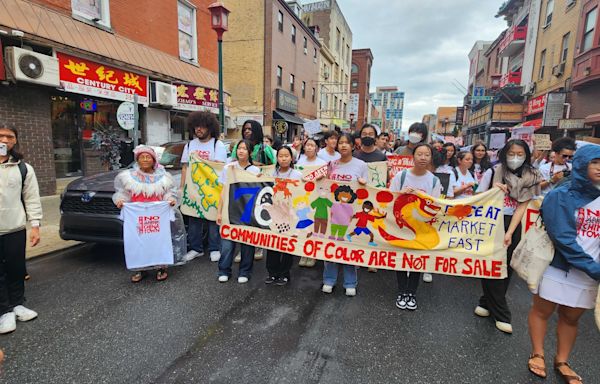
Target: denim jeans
{"points": [[226, 260], [201, 229], [330, 273]]}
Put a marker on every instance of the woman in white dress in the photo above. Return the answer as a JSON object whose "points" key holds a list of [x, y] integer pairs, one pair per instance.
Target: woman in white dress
{"points": [[569, 286]]}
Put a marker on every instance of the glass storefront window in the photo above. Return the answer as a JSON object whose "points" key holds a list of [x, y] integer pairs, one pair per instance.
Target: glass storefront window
{"points": [[65, 137]]}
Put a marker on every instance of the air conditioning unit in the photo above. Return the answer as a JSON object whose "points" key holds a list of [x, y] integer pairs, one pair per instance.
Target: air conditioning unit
{"points": [[32, 67], [559, 69], [530, 88], [163, 94]]}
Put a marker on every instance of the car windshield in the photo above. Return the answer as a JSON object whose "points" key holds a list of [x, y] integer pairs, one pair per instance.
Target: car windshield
{"points": [[170, 155]]}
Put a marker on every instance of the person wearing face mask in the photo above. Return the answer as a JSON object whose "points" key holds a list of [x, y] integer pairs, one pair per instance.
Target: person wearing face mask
{"points": [[569, 285], [369, 152], [417, 133], [520, 182], [559, 168]]}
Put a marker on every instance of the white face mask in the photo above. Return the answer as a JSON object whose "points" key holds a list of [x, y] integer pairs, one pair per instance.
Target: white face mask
{"points": [[415, 138], [515, 162]]}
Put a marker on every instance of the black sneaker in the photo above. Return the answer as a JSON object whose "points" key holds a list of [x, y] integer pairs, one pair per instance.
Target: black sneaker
{"points": [[270, 280], [401, 301], [281, 281], [411, 302]]}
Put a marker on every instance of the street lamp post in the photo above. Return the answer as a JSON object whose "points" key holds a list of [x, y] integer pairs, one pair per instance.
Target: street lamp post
{"points": [[219, 22]]}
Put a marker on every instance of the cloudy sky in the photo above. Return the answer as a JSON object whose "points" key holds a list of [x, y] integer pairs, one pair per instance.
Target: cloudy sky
{"points": [[421, 46]]}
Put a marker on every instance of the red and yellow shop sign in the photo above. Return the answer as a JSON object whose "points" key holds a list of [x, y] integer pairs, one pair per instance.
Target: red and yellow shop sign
{"points": [[536, 105], [196, 98], [87, 77]]}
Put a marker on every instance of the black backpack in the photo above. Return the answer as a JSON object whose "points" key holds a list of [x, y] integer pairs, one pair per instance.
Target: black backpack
{"points": [[23, 169]]}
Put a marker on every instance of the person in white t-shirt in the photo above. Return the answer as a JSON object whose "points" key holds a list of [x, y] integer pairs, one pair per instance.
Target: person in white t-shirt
{"points": [[559, 168], [243, 150], [418, 178], [205, 127], [481, 160], [346, 168], [330, 153], [465, 183], [308, 156]]}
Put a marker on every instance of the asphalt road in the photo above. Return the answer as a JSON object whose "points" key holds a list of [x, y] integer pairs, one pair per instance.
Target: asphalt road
{"points": [[97, 327]]}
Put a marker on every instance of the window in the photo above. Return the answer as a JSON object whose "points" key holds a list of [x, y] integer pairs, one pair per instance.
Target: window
{"points": [[186, 22], [354, 83], [343, 48], [305, 45], [315, 56], [564, 51], [279, 76], [339, 38], [542, 64], [345, 81], [570, 2], [335, 103], [96, 11], [588, 29], [549, 10], [313, 96], [280, 21], [294, 34], [349, 52], [354, 68], [292, 81], [304, 90]]}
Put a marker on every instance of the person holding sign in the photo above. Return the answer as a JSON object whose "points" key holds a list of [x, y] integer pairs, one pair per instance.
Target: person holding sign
{"points": [[569, 285], [329, 153], [559, 168], [520, 182], [146, 182], [369, 152], [465, 183], [347, 168], [409, 181], [243, 150]]}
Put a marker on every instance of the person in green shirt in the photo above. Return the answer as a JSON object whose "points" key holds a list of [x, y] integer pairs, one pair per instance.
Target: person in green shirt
{"points": [[262, 154]]}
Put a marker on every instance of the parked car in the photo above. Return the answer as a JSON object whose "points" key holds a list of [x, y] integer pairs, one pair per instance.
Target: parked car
{"points": [[87, 212]]}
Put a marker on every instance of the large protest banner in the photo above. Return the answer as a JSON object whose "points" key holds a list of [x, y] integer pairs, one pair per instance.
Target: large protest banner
{"points": [[365, 226], [202, 190]]}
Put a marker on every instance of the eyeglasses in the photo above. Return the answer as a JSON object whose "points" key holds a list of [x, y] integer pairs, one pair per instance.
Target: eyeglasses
{"points": [[567, 156]]}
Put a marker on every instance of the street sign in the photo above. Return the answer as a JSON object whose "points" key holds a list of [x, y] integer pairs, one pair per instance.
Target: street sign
{"points": [[280, 126], [571, 123], [126, 115], [482, 98], [478, 91]]}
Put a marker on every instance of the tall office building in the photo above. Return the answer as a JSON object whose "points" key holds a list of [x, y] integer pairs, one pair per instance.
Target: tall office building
{"points": [[391, 102]]}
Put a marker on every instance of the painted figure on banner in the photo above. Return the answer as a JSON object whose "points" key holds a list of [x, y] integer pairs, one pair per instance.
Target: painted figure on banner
{"points": [[368, 214]]}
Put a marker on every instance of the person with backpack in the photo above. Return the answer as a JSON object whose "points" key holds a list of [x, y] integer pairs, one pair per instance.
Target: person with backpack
{"points": [[464, 181], [19, 203], [417, 178], [205, 127], [559, 168]]}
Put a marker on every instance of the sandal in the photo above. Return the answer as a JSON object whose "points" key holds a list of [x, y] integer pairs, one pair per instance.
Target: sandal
{"points": [[541, 370], [566, 378], [162, 275], [138, 276]]}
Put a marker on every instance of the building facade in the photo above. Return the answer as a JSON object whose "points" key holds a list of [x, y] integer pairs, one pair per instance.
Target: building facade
{"points": [[89, 58], [327, 18], [391, 102], [271, 67], [362, 61]]}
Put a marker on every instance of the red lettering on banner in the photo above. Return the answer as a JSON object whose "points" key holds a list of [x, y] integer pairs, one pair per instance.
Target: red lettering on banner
{"points": [[418, 263], [529, 221], [383, 259], [482, 268], [445, 264]]}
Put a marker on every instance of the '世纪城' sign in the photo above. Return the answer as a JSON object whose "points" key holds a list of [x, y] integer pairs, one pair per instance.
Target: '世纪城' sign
{"points": [[359, 225], [87, 77]]}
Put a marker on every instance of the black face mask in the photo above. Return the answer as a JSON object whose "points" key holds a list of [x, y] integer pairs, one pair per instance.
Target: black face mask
{"points": [[367, 141]]}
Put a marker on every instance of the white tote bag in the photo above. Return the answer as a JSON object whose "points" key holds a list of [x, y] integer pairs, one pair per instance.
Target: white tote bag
{"points": [[532, 256], [597, 311]]}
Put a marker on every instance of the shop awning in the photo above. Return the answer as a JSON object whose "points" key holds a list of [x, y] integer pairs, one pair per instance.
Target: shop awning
{"points": [[47, 26], [288, 117], [592, 119], [536, 124]]}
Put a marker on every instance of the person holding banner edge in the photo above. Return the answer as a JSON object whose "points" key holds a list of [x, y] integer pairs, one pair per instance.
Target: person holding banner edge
{"points": [[520, 182], [417, 178], [569, 285]]}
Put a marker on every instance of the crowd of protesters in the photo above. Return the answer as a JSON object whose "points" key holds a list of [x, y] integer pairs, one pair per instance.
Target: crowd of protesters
{"points": [[567, 176]]}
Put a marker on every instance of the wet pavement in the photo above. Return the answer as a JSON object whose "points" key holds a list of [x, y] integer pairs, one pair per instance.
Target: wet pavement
{"points": [[97, 327]]}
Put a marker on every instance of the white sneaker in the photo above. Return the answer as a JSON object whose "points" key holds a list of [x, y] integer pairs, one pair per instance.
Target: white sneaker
{"points": [[504, 327], [24, 314], [191, 255], [223, 279], [327, 288], [8, 322], [481, 312], [427, 277], [350, 291], [215, 256], [258, 254], [237, 258], [242, 279]]}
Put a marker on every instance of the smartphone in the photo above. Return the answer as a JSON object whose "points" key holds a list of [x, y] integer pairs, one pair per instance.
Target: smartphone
{"points": [[3, 149]]}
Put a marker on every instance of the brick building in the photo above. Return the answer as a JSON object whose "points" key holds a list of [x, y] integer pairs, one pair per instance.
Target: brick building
{"points": [[362, 61], [270, 66], [67, 65]]}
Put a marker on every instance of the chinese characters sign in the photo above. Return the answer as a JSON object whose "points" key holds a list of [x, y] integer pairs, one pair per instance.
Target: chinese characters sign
{"points": [[536, 105], [90, 78], [195, 98]]}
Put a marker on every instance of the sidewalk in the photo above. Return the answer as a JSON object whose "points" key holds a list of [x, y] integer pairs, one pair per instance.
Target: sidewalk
{"points": [[50, 239]]}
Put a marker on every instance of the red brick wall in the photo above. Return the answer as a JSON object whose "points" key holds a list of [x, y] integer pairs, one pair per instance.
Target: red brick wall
{"points": [[155, 25], [27, 108], [362, 59]]}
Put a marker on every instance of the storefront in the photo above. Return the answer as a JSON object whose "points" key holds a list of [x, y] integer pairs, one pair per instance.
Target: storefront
{"points": [[86, 135], [286, 106]]}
